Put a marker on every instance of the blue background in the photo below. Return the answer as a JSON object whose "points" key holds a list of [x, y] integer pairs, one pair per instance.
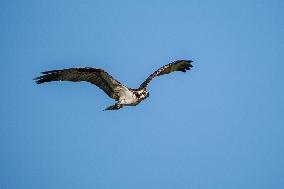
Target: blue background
{"points": [[220, 125]]}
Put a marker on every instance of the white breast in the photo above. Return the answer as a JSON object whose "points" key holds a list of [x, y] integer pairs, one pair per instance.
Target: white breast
{"points": [[127, 97]]}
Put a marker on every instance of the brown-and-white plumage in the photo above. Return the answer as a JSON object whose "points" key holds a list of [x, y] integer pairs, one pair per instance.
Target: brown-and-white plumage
{"points": [[113, 88]]}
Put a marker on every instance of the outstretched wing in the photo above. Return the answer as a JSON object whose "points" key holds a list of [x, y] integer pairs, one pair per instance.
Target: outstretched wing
{"points": [[98, 77], [178, 65]]}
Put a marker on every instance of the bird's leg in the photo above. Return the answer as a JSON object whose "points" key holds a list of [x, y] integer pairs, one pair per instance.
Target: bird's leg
{"points": [[116, 106]]}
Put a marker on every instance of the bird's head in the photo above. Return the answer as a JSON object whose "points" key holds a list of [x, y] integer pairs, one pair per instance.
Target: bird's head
{"points": [[143, 93]]}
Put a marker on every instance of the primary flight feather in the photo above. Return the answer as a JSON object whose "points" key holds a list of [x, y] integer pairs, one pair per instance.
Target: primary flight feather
{"points": [[123, 95]]}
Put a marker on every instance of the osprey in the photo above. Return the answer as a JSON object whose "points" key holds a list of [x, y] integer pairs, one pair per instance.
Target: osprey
{"points": [[123, 95]]}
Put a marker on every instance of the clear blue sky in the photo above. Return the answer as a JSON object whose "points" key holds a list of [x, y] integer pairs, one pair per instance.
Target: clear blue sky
{"points": [[221, 125]]}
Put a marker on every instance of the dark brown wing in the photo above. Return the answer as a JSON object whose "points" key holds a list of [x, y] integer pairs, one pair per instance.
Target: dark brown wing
{"points": [[178, 65], [95, 76]]}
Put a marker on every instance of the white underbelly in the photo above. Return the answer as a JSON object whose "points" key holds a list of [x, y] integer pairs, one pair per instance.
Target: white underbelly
{"points": [[133, 103], [128, 98]]}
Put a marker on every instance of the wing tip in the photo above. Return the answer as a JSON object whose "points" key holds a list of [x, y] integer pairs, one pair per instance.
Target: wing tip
{"points": [[189, 63], [186, 65], [39, 80], [47, 76]]}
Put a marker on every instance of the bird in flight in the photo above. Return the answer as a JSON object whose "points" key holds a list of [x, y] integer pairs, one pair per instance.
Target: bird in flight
{"points": [[124, 96]]}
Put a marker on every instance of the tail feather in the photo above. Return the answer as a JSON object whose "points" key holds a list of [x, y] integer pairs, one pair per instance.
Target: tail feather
{"points": [[116, 106]]}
